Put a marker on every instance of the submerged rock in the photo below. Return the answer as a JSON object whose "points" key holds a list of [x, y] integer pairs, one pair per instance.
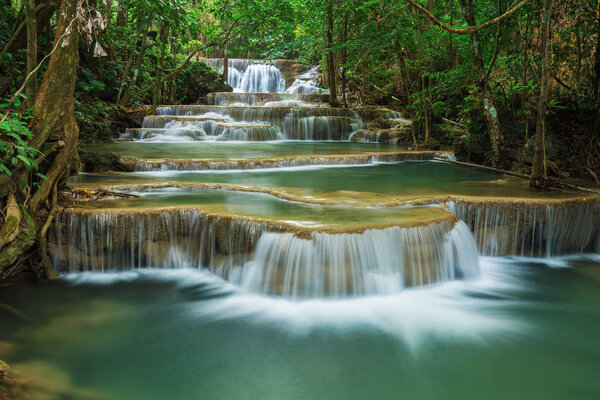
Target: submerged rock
{"points": [[401, 135], [102, 161], [38, 380], [429, 144]]}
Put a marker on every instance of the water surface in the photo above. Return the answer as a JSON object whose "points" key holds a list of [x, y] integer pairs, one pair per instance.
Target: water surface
{"points": [[527, 329], [238, 150], [261, 205], [406, 180]]}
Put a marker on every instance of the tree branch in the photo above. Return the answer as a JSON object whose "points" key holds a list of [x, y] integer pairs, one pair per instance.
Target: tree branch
{"points": [[471, 29], [497, 48]]}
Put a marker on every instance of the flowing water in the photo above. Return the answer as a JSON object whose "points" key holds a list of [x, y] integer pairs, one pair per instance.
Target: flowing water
{"points": [[405, 180], [255, 252], [238, 150], [526, 329]]}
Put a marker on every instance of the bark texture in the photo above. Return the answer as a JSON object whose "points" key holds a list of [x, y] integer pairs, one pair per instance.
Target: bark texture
{"points": [[55, 133], [490, 112]]}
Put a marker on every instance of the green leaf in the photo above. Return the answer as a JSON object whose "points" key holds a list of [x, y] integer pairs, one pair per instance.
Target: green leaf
{"points": [[25, 161], [5, 170], [41, 176]]}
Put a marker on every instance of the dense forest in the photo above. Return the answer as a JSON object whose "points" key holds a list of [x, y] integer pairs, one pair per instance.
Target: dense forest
{"points": [[514, 85]]}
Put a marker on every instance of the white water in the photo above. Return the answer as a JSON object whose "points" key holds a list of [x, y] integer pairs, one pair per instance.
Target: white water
{"points": [[250, 123], [307, 83], [291, 164], [532, 229], [383, 261], [261, 109], [251, 76], [251, 254], [445, 310]]}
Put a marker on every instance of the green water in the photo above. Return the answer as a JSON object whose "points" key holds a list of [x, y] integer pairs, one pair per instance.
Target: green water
{"points": [[238, 150], [525, 330], [260, 205], [404, 179]]}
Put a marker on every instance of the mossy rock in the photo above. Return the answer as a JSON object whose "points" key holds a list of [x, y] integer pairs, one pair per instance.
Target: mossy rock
{"points": [[102, 161], [429, 144], [26, 238], [4, 368]]}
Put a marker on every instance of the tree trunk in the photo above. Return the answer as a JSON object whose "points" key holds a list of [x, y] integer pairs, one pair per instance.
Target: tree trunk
{"points": [[121, 13], [53, 107], [32, 50], [44, 12], [164, 36], [330, 58], [539, 171], [126, 96], [55, 133], [125, 86], [344, 58], [490, 112], [225, 63], [597, 77], [424, 109]]}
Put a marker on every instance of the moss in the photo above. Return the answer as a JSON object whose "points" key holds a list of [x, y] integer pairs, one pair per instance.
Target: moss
{"points": [[430, 144], [22, 243], [102, 161]]}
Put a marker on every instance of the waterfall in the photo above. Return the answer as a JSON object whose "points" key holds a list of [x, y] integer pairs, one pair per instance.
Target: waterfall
{"points": [[261, 99], [248, 123], [530, 228], [264, 256], [379, 261], [307, 83], [300, 161], [162, 238], [251, 76]]}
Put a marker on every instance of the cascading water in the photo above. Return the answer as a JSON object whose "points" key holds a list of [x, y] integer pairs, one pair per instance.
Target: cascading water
{"points": [[270, 99], [292, 123], [532, 228], [251, 76], [174, 238], [253, 164], [261, 256], [307, 83], [376, 261], [276, 257], [260, 109]]}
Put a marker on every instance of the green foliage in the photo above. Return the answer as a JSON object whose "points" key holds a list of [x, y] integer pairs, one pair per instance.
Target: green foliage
{"points": [[15, 152], [7, 20], [197, 80]]}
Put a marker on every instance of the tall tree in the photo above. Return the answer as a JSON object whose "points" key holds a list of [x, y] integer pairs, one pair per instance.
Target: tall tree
{"points": [[539, 173], [597, 74], [32, 50], [489, 109], [331, 69], [55, 134]]}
